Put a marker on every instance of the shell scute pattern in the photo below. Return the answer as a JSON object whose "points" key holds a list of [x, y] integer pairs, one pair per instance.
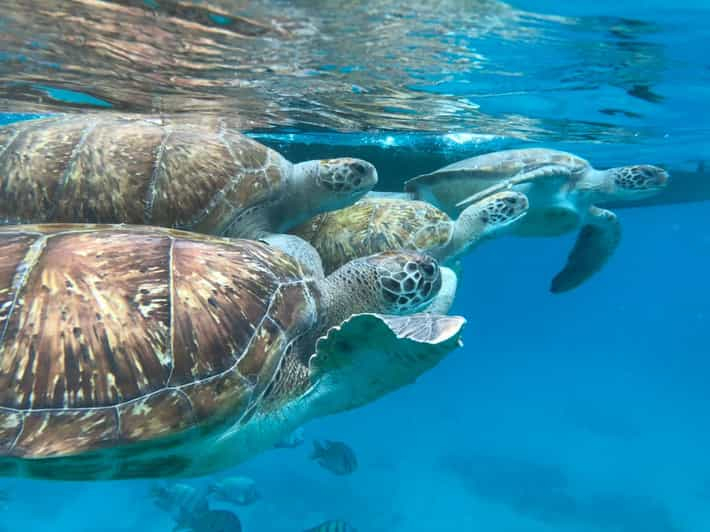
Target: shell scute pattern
{"points": [[33, 165], [15, 248], [132, 170], [179, 196], [374, 225], [258, 178], [11, 424], [96, 425], [214, 397], [78, 337], [292, 308], [107, 178], [261, 173], [263, 356], [157, 415], [222, 294], [98, 351]]}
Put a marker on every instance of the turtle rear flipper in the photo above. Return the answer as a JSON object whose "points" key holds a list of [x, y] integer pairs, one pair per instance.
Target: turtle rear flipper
{"points": [[548, 173], [369, 355], [595, 244]]}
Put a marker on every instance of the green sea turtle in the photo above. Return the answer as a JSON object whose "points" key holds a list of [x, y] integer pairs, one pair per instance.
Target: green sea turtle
{"points": [[134, 351], [195, 175], [376, 224], [562, 190]]}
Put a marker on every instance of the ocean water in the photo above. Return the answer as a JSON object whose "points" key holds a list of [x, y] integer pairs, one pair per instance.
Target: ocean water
{"points": [[580, 412]]}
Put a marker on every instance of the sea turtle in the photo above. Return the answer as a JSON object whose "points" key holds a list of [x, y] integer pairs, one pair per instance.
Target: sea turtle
{"points": [[376, 224], [135, 351], [195, 175], [562, 190]]}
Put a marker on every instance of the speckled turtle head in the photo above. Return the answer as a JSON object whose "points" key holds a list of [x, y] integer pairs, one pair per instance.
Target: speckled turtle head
{"points": [[634, 182], [327, 185], [408, 280]]}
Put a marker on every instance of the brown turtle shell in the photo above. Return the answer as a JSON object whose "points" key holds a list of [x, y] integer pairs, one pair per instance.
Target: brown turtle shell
{"points": [[372, 225], [111, 335], [108, 168]]}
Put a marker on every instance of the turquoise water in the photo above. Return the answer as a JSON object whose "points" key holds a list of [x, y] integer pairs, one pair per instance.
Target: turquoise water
{"points": [[582, 412]]}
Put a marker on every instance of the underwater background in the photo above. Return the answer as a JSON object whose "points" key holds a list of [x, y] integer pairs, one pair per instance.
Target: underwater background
{"points": [[582, 412]]}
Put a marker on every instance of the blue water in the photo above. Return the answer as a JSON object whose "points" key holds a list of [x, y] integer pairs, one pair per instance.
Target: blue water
{"points": [[582, 412]]}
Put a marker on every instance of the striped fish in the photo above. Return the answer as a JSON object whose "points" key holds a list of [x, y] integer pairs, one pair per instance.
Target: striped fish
{"points": [[333, 526]]}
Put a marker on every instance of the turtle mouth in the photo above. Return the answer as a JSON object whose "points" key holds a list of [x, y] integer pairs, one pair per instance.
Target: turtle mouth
{"points": [[659, 181]]}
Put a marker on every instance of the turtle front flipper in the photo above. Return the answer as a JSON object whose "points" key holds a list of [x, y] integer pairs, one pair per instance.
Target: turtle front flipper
{"points": [[370, 355], [596, 242], [381, 194], [299, 249], [550, 173]]}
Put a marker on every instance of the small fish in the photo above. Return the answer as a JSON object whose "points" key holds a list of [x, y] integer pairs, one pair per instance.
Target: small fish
{"points": [[209, 521], [333, 526], [293, 440], [179, 499], [335, 456], [237, 490]]}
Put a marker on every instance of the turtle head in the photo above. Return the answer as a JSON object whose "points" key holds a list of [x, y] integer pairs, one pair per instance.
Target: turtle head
{"points": [[391, 282], [331, 184], [636, 182], [488, 217], [406, 281], [499, 211]]}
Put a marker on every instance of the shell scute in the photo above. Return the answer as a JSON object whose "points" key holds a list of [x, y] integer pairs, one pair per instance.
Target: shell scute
{"points": [[157, 415], [431, 236], [250, 153], [225, 394], [76, 336], [292, 309], [62, 432], [34, 165], [191, 170], [15, 248], [262, 176], [111, 174], [262, 358], [10, 427], [221, 292]]}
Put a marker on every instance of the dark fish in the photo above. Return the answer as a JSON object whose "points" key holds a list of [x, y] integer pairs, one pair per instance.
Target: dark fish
{"points": [[335, 456], [333, 526], [210, 521]]}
